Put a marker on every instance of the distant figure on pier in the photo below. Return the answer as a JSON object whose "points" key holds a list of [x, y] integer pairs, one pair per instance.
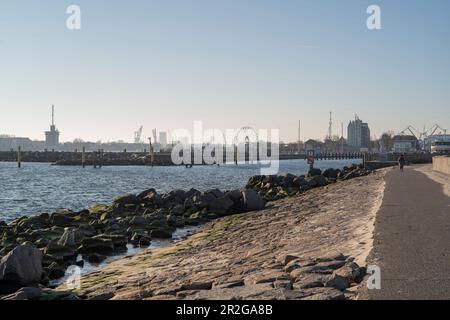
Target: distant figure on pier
{"points": [[401, 161]]}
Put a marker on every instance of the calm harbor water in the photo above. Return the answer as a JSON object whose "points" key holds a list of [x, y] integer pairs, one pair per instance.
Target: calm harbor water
{"points": [[38, 187]]}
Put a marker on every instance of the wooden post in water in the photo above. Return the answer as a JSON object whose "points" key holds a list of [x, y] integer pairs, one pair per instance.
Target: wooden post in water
{"points": [[95, 156], [152, 152], [83, 157], [101, 157], [19, 157]]}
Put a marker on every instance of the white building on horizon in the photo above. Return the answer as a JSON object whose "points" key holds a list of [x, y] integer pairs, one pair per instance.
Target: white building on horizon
{"points": [[358, 135]]}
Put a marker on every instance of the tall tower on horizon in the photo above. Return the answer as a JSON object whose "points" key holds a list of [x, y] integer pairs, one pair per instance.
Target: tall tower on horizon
{"points": [[52, 136], [330, 127]]}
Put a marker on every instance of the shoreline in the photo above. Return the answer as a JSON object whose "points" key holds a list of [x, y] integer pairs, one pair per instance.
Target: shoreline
{"points": [[148, 216]]}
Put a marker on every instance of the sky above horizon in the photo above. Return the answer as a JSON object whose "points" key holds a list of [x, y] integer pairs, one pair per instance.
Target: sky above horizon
{"points": [[260, 63]]}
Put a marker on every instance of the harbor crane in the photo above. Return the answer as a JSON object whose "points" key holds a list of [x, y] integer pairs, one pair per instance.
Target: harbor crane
{"points": [[426, 133], [138, 135], [424, 136]]}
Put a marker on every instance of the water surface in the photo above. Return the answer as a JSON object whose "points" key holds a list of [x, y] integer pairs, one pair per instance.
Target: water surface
{"points": [[37, 187]]}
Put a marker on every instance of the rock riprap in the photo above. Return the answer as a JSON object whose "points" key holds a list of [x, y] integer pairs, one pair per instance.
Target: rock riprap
{"points": [[53, 242], [277, 187], [61, 237]]}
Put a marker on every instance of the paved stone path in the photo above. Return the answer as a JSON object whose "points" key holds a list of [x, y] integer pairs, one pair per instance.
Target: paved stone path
{"points": [[412, 239]]}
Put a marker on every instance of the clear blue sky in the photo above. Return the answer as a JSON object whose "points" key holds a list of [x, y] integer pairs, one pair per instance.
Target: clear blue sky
{"points": [[164, 64]]}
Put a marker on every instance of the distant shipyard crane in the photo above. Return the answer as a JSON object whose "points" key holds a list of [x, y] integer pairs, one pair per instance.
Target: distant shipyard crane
{"points": [[423, 136], [425, 133], [432, 131], [138, 135], [416, 133]]}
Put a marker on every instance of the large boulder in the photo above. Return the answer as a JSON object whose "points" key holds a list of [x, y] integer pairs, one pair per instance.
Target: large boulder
{"points": [[85, 230], [129, 199], [215, 192], [178, 210], [55, 249], [161, 233], [204, 200], [255, 180], [180, 194], [68, 238], [331, 173], [288, 180], [191, 193], [318, 181], [27, 293], [139, 221], [337, 281], [22, 267], [65, 219], [314, 172], [117, 240], [96, 245], [221, 206], [36, 222], [147, 195], [252, 200]]}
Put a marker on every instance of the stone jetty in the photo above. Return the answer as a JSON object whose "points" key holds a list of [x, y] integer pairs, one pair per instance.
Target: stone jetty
{"points": [[55, 241]]}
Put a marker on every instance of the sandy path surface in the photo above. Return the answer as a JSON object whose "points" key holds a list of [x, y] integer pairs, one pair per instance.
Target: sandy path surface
{"points": [[230, 253], [436, 176]]}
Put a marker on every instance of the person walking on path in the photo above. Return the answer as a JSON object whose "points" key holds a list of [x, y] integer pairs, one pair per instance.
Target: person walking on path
{"points": [[401, 161]]}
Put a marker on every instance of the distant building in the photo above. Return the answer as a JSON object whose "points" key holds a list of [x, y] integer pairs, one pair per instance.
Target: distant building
{"points": [[291, 148], [163, 140], [8, 143], [52, 136], [358, 135], [430, 140], [405, 144], [315, 145]]}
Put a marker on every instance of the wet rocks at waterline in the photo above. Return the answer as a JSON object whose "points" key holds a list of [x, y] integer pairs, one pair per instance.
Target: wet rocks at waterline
{"points": [[63, 237], [277, 187]]}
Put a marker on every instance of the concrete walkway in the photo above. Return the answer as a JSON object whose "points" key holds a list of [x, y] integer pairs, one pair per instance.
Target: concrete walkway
{"points": [[412, 239]]}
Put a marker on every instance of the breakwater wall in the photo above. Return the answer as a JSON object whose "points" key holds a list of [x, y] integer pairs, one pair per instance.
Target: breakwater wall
{"points": [[442, 164], [124, 158]]}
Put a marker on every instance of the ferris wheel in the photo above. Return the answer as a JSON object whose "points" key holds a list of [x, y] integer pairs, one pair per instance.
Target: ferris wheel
{"points": [[246, 135]]}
